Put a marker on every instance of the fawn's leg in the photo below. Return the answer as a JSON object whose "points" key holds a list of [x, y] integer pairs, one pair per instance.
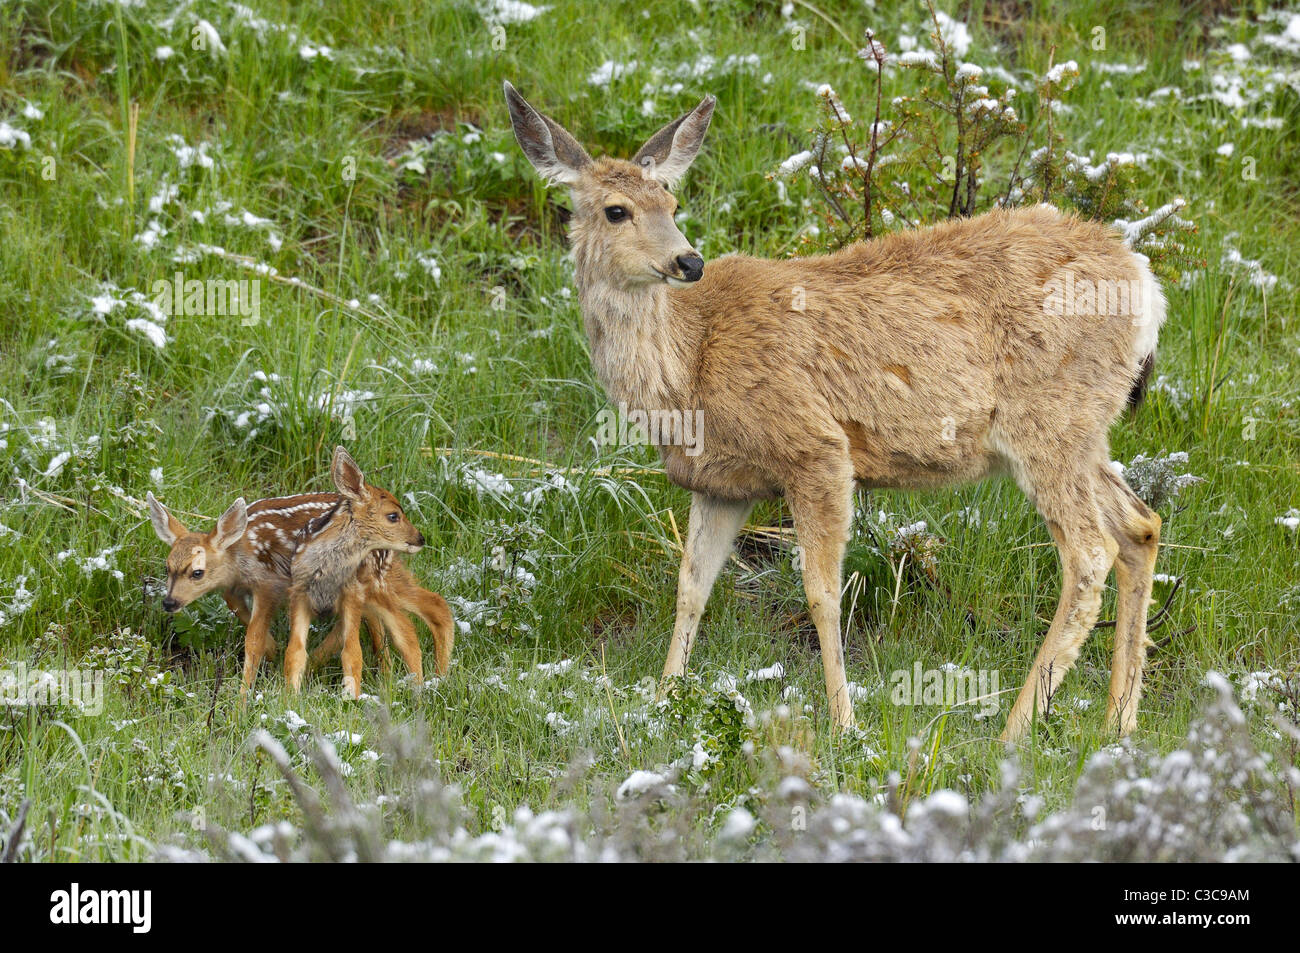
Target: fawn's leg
{"points": [[376, 622], [822, 516], [350, 622], [330, 646], [238, 606], [256, 635], [402, 631], [711, 530], [295, 654], [1137, 530], [433, 609]]}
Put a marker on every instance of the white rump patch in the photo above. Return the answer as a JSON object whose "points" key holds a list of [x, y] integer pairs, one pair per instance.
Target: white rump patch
{"points": [[1152, 315]]}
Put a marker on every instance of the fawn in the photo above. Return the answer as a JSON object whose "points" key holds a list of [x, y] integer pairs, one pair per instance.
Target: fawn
{"points": [[390, 591], [918, 359], [247, 556], [327, 574]]}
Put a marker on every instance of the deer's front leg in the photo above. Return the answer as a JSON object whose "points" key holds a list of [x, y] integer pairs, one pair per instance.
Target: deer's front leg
{"points": [[711, 530], [349, 610], [238, 606], [433, 609], [256, 635], [295, 654]]}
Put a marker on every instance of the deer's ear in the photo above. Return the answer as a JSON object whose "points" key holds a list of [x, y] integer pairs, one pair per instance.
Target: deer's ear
{"points": [[168, 527], [554, 153], [349, 479], [231, 525], [669, 152]]}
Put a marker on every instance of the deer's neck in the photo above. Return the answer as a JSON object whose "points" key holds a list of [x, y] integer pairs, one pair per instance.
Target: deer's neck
{"points": [[643, 343]]}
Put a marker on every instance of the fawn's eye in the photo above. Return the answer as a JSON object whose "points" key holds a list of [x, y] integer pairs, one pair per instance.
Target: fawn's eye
{"points": [[616, 213], [392, 517], [197, 574]]}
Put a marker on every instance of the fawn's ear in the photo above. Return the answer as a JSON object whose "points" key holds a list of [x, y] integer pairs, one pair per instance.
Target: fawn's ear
{"points": [[231, 525], [349, 479], [554, 153], [669, 152], [168, 527]]}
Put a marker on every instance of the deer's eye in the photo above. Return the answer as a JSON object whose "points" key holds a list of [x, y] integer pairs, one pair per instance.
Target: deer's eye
{"points": [[392, 517], [197, 574], [616, 213]]}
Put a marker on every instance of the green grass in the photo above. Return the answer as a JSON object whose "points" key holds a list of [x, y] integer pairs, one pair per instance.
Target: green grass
{"points": [[316, 146]]}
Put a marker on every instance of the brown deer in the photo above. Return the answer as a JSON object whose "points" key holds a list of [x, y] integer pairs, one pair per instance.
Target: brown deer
{"points": [[326, 572], [390, 591], [247, 558], [919, 359]]}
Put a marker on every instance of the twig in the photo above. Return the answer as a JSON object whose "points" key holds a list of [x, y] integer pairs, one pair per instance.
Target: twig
{"points": [[542, 465], [291, 281], [1173, 635], [221, 674], [62, 502], [1218, 349], [877, 54], [1155, 621]]}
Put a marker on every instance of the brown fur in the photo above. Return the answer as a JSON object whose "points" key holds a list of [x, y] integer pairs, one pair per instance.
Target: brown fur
{"points": [[921, 359], [251, 570]]}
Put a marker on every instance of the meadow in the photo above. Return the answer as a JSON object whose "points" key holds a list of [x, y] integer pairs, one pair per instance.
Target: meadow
{"points": [[406, 293]]}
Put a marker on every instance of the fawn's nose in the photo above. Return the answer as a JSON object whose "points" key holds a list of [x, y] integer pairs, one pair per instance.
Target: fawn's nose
{"points": [[419, 539], [170, 604], [692, 266]]}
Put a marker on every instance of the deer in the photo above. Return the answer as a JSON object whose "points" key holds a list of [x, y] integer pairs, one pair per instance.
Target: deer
{"points": [[326, 576], [247, 557], [919, 359], [389, 592]]}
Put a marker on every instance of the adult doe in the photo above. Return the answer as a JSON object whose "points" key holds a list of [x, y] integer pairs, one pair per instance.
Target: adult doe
{"points": [[326, 567], [919, 359]]}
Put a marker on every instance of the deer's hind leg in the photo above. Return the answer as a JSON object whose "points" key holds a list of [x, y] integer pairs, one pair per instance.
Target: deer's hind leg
{"points": [[823, 511], [1137, 530], [1068, 500]]}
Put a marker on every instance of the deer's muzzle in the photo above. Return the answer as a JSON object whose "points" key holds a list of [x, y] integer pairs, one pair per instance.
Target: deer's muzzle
{"points": [[691, 267]]}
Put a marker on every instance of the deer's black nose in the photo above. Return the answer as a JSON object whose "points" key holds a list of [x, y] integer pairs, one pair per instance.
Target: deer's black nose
{"points": [[692, 266], [170, 604], [419, 539]]}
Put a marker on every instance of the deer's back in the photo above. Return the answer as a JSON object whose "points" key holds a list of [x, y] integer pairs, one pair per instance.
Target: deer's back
{"points": [[914, 348]]}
